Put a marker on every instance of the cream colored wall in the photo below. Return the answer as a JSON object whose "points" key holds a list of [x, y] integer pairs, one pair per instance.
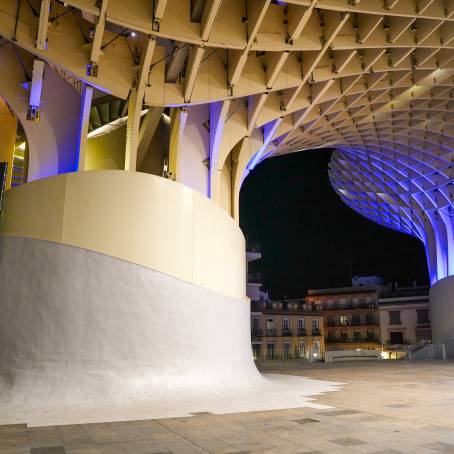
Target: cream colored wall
{"points": [[107, 152], [141, 218]]}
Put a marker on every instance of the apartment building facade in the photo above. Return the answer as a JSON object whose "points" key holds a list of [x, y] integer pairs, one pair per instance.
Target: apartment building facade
{"points": [[351, 316], [405, 316], [290, 328]]}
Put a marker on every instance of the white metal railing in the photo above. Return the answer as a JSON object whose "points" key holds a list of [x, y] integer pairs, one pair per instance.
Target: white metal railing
{"points": [[423, 351]]}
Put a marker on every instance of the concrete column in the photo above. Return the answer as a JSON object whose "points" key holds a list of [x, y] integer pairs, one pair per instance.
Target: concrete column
{"points": [[8, 128], [85, 106]]}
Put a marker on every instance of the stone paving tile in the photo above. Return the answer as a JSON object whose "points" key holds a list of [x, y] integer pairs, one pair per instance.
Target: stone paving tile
{"points": [[398, 406], [348, 442], [440, 447], [340, 413], [48, 450], [376, 412], [306, 420]]}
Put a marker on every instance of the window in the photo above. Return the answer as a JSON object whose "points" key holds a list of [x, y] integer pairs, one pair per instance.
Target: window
{"points": [[423, 316], [344, 337], [255, 326], [301, 323], [302, 349], [285, 324], [315, 323], [270, 350], [357, 335], [256, 350], [394, 318], [343, 320], [316, 349], [396, 338], [287, 349], [270, 327]]}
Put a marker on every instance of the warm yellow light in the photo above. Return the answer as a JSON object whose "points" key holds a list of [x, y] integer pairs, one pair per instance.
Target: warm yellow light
{"points": [[16, 156], [21, 146]]}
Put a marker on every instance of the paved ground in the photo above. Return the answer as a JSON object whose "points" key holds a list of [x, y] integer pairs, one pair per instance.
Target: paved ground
{"points": [[385, 407]]}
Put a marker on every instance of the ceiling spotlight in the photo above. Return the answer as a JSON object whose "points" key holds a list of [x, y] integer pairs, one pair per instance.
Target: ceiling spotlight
{"points": [[132, 34]]}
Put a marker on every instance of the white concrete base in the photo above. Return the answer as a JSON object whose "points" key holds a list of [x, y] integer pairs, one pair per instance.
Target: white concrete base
{"points": [[442, 313], [85, 337]]}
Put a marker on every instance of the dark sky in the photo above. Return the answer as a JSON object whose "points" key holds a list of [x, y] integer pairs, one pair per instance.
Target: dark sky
{"points": [[308, 235]]}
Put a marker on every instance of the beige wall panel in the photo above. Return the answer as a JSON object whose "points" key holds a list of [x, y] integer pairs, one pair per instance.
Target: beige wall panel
{"points": [[106, 152], [228, 27], [35, 210], [219, 250], [179, 20], [141, 218]]}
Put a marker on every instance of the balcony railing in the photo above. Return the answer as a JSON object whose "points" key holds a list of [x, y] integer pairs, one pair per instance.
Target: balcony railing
{"points": [[350, 340], [367, 322], [340, 307], [285, 332]]}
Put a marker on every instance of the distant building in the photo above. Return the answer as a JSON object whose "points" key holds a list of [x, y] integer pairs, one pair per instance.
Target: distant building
{"points": [[289, 328], [358, 281], [292, 328], [404, 316], [351, 316], [254, 280]]}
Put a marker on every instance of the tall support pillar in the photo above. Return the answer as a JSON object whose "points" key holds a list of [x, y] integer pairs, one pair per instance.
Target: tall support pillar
{"points": [[35, 90], [8, 128], [92, 69], [178, 118], [135, 105], [84, 117], [41, 37], [240, 158]]}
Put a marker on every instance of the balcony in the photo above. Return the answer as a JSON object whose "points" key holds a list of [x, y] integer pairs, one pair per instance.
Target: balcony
{"points": [[350, 306], [316, 332], [302, 332], [351, 340], [256, 333], [271, 332], [287, 333], [367, 322]]}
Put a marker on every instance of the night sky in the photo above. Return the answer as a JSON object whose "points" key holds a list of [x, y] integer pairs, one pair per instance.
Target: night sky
{"points": [[308, 235]]}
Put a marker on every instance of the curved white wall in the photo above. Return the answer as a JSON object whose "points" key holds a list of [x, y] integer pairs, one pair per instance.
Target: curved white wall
{"points": [[141, 218], [81, 330]]}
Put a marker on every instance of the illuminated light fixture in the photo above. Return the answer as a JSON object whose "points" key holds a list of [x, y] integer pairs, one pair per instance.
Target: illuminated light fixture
{"points": [[132, 34], [21, 146], [16, 156]]}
